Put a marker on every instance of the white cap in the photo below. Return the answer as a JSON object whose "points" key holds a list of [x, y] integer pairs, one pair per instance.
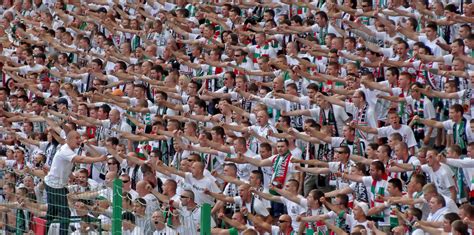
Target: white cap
{"points": [[21, 186], [363, 206], [194, 20]]}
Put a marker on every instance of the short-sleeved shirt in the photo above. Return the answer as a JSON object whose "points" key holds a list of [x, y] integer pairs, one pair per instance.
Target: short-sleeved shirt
{"points": [[61, 167], [293, 209], [442, 178], [198, 187], [405, 131], [258, 206]]}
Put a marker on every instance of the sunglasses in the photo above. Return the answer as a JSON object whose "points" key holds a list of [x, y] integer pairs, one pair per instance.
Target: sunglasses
{"points": [[283, 221], [125, 181], [183, 197], [237, 55], [111, 163]]}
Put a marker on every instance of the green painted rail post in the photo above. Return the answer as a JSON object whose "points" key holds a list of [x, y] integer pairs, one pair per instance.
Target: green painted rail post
{"points": [[309, 231], [205, 219], [117, 208]]}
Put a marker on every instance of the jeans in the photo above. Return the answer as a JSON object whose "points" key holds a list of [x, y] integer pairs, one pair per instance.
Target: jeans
{"points": [[58, 208]]}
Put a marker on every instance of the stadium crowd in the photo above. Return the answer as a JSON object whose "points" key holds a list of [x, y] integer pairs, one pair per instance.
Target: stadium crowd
{"points": [[336, 116]]}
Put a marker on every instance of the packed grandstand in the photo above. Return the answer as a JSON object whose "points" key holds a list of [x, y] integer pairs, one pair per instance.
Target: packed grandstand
{"points": [[283, 117]]}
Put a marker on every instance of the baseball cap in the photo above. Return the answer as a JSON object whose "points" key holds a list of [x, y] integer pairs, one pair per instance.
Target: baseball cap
{"points": [[20, 148], [364, 206]]}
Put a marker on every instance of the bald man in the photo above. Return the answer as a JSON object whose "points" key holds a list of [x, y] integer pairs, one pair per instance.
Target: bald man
{"points": [[198, 182], [57, 178], [114, 122], [144, 189]]}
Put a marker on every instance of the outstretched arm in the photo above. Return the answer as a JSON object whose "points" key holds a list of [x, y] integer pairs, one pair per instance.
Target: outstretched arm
{"points": [[266, 196], [286, 194]]}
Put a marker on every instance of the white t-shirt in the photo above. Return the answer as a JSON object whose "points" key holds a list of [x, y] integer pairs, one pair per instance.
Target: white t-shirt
{"points": [[258, 206], [263, 132], [405, 131], [198, 187], [61, 167], [243, 170], [466, 100], [293, 210], [442, 178], [435, 49]]}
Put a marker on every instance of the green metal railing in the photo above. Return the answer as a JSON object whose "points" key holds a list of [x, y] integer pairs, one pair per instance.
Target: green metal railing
{"points": [[117, 208]]}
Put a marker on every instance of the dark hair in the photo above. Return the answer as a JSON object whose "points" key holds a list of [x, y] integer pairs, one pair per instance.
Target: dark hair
{"points": [[343, 200], [451, 8], [394, 71], [259, 174], [106, 108], [396, 183], [374, 146], [317, 195], [413, 22], [231, 165], [113, 140], [98, 62], [236, 9], [468, 210], [122, 65], [469, 28], [271, 12], [460, 227], [297, 19], [266, 146], [286, 120], [457, 108], [128, 216], [416, 212], [432, 25], [451, 217], [344, 149], [219, 131], [283, 141], [322, 14], [378, 166]]}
